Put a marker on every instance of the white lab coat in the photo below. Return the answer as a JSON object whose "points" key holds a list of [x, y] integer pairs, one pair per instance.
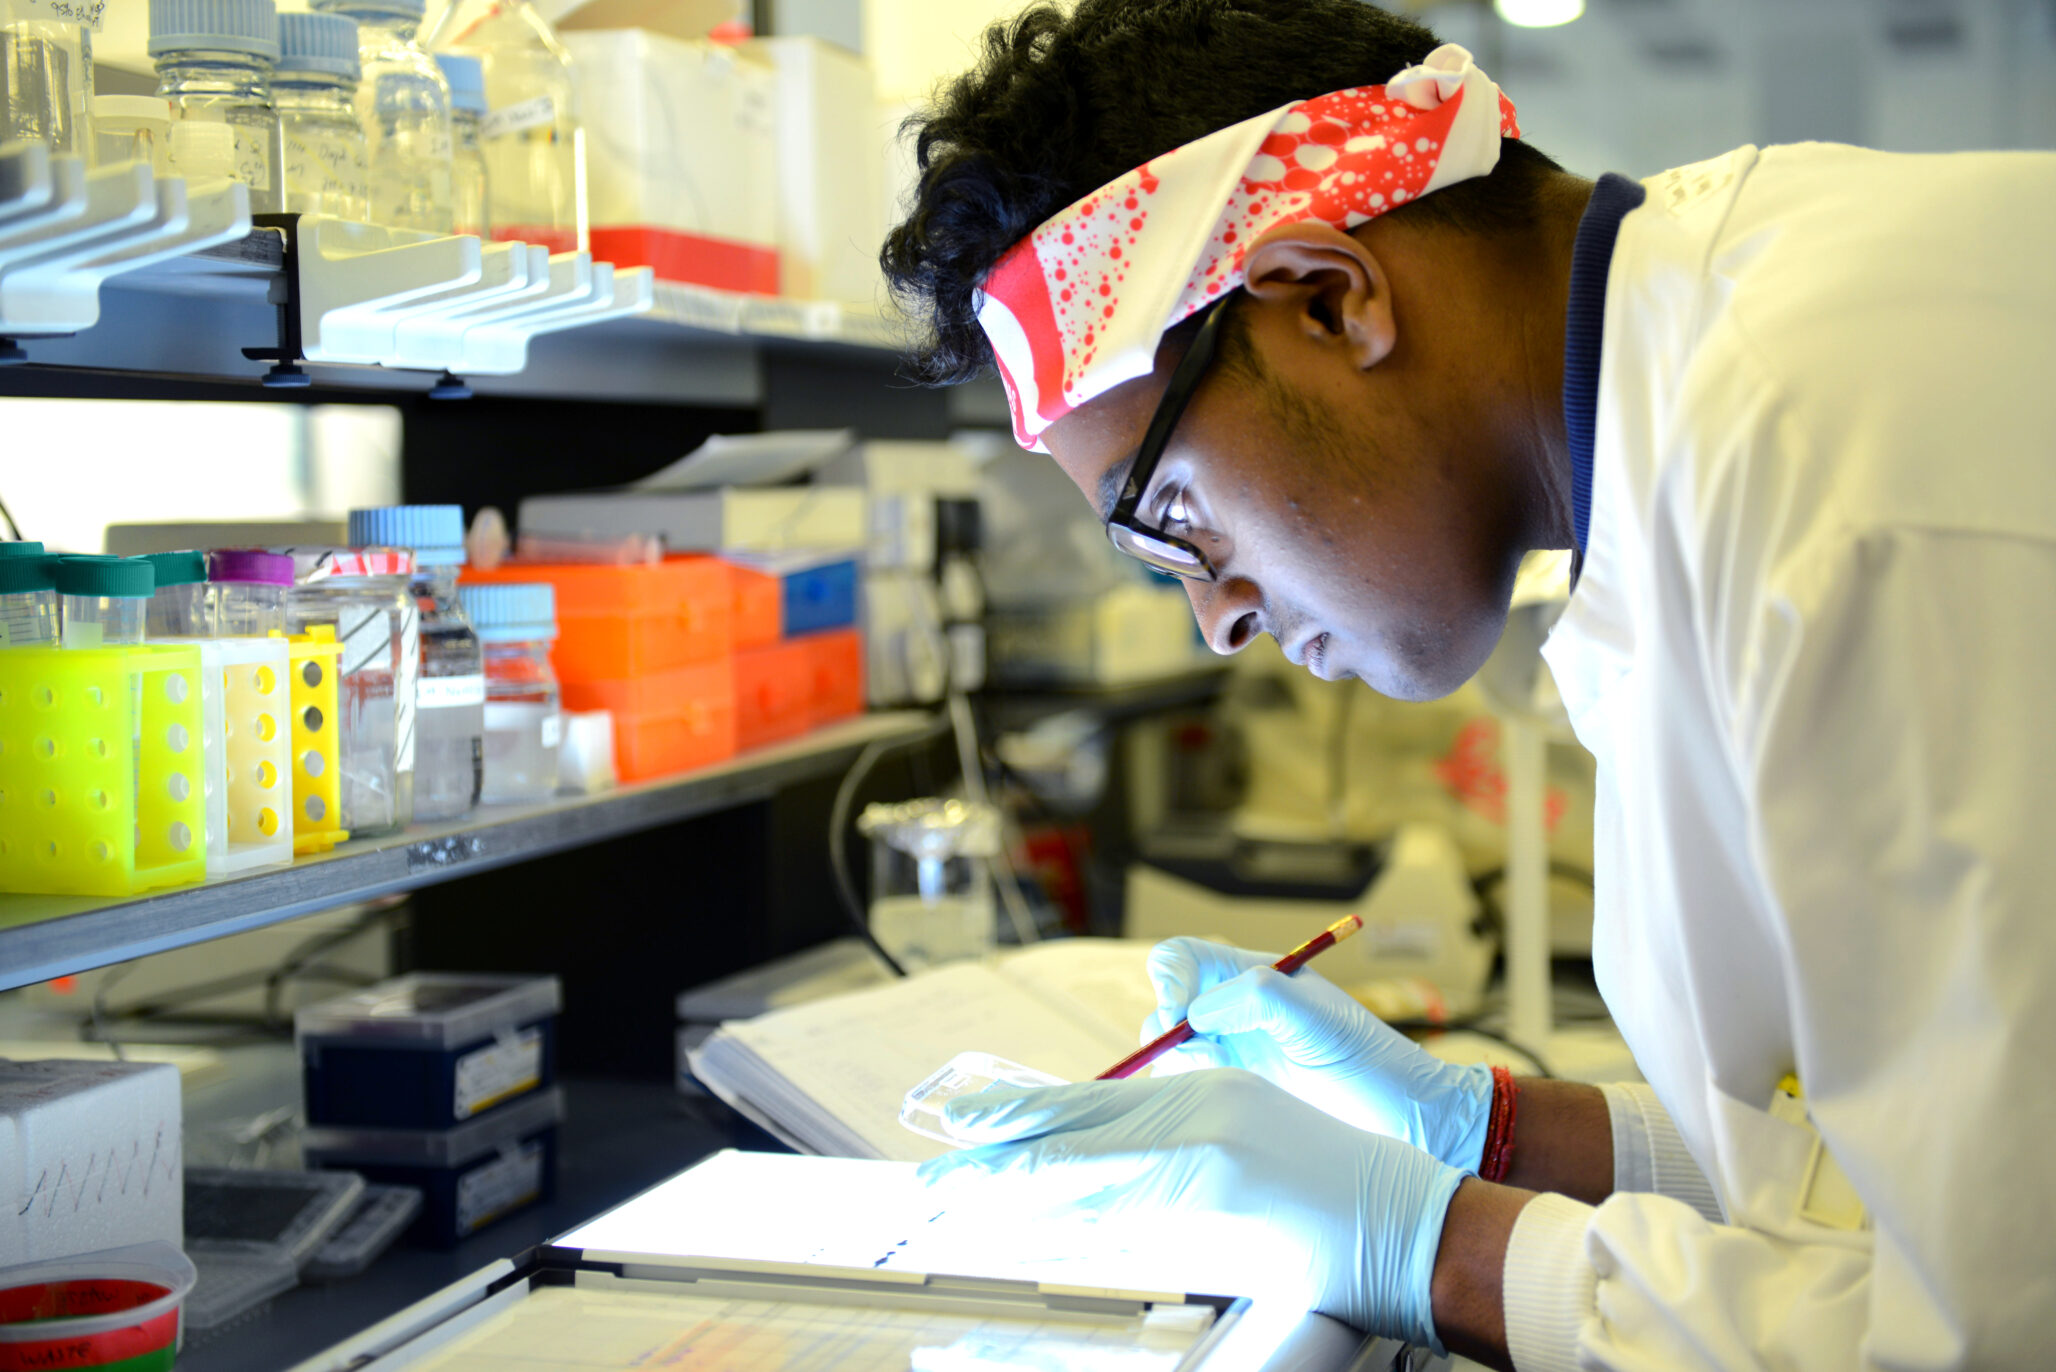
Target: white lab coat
{"points": [[1814, 652]]}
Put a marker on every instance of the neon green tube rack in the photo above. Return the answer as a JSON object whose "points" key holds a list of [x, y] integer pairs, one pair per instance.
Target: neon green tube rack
{"points": [[93, 801]]}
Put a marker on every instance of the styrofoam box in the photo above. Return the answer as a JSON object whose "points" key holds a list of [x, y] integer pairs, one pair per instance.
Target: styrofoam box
{"points": [[679, 139], [830, 167], [89, 1157]]}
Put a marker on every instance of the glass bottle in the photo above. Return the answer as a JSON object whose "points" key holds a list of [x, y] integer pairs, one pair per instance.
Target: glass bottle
{"points": [[214, 63], [516, 623], [363, 595], [28, 597], [469, 190], [250, 589], [449, 719], [534, 147], [182, 606], [403, 102], [46, 81], [327, 168]]}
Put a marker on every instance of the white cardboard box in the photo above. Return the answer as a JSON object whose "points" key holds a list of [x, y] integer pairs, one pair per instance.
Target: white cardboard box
{"points": [[773, 519], [680, 146], [89, 1157], [830, 167]]}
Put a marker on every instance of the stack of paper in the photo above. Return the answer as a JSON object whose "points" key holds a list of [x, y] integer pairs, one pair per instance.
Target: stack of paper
{"points": [[827, 1077]]}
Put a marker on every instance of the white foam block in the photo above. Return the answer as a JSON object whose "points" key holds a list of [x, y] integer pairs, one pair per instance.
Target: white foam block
{"points": [[89, 1157]]}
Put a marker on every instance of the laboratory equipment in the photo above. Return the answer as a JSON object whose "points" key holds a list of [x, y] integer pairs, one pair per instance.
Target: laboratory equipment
{"points": [[516, 624], [429, 1050], [327, 170], [403, 102], [103, 600], [100, 769], [214, 65], [469, 1175], [449, 699], [361, 597], [317, 753], [534, 148], [132, 128], [263, 1214], [46, 76], [118, 1308], [382, 1214], [965, 1074], [182, 606], [250, 589], [28, 600], [230, 1287], [931, 890], [247, 695], [470, 188], [774, 694], [836, 662]]}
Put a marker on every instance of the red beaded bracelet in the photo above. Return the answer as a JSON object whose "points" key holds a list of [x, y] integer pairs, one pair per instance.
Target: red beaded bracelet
{"points": [[1498, 1158]]}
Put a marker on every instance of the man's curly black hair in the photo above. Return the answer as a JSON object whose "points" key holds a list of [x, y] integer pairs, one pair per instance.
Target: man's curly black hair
{"points": [[1060, 104]]}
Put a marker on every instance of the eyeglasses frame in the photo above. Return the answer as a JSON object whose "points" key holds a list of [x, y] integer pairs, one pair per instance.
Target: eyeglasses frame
{"points": [[1123, 530]]}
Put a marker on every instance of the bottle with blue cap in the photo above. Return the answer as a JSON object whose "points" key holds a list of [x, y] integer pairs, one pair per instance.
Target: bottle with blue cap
{"points": [[327, 168], [403, 102], [214, 66], [517, 622], [470, 191], [449, 698]]}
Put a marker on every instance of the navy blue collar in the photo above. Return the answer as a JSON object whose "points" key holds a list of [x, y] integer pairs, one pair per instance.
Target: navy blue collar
{"points": [[1584, 323]]}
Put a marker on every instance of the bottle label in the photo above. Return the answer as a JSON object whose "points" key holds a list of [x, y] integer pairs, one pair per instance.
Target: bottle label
{"points": [[443, 692], [517, 118], [85, 13]]}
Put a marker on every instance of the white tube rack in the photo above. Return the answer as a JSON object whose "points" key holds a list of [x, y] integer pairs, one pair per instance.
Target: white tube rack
{"points": [[399, 298], [65, 230]]}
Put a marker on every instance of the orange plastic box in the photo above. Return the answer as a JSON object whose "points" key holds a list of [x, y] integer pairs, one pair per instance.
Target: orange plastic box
{"points": [[668, 722], [837, 661], [620, 622], [774, 693], [758, 610]]}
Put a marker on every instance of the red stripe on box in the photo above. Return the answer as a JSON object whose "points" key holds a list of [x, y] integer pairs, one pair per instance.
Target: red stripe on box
{"points": [[693, 258]]}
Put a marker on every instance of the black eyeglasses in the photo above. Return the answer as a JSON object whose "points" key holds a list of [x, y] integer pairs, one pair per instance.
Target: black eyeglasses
{"points": [[1161, 551]]}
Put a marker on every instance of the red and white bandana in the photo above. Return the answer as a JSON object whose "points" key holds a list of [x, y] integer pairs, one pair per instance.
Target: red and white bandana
{"points": [[1079, 305]]}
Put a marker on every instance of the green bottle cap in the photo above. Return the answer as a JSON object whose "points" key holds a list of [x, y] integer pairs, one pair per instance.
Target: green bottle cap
{"points": [[178, 569], [126, 578], [22, 575], [8, 550]]}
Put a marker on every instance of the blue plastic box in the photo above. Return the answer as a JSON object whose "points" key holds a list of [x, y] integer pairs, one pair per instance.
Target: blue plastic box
{"points": [[428, 1050], [814, 595], [469, 1176]]}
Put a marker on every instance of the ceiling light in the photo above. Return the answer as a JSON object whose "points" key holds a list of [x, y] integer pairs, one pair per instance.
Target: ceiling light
{"points": [[1538, 14]]}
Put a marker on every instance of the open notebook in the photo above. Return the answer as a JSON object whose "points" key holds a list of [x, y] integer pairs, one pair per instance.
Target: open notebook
{"points": [[827, 1077]]}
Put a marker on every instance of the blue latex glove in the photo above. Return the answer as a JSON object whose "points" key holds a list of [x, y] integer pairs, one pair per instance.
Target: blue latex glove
{"points": [[1309, 1036], [1266, 1177]]}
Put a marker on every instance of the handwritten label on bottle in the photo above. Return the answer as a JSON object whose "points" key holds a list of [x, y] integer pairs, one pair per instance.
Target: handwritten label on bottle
{"points": [[85, 13], [516, 118]]}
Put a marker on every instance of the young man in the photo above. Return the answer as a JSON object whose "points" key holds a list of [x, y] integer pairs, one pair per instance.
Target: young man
{"points": [[1278, 285]]}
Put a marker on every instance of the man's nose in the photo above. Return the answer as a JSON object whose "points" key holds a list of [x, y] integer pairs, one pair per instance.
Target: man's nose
{"points": [[1230, 612]]}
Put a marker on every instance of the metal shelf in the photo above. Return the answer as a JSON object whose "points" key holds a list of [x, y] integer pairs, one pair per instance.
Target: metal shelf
{"points": [[51, 936], [190, 318]]}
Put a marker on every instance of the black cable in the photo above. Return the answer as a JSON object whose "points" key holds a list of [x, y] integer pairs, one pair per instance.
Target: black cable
{"points": [[839, 823], [12, 527]]}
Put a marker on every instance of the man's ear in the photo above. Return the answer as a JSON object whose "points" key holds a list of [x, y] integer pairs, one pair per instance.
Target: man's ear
{"points": [[1329, 286]]}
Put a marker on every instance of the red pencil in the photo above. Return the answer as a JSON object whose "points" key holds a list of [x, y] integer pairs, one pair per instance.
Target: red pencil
{"points": [[1181, 1031]]}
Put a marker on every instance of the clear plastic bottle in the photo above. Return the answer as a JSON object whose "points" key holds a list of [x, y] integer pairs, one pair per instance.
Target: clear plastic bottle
{"points": [[28, 597], [131, 128], [363, 595], [103, 601], [250, 590], [469, 188], [449, 722], [46, 81], [403, 102], [534, 147], [516, 623], [182, 606], [214, 63], [327, 169]]}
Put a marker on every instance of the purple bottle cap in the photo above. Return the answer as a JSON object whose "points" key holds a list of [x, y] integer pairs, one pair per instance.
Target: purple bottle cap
{"points": [[250, 565]]}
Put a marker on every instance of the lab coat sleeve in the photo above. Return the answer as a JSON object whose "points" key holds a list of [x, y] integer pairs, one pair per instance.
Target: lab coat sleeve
{"points": [[1892, 731], [1649, 1153]]}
